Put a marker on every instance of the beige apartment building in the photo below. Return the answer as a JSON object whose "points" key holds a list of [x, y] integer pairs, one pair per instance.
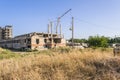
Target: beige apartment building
{"points": [[6, 32]]}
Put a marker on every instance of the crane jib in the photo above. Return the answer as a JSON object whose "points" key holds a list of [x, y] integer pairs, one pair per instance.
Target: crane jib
{"points": [[65, 13]]}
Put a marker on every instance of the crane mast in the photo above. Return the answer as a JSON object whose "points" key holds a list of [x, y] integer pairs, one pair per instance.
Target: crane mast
{"points": [[58, 19]]}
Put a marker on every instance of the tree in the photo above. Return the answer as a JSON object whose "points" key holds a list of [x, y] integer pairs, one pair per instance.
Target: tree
{"points": [[97, 41], [114, 40]]}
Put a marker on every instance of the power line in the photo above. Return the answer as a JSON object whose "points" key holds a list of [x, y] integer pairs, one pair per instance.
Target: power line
{"points": [[93, 24]]}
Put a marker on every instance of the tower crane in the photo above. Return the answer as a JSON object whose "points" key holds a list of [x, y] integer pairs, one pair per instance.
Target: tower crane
{"points": [[58, 19]]}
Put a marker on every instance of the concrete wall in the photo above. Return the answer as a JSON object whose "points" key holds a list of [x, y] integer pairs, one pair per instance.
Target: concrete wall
{"points": [[35, 45]]}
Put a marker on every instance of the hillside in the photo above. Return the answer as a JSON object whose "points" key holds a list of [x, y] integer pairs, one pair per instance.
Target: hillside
{"points": [[62, 64]]}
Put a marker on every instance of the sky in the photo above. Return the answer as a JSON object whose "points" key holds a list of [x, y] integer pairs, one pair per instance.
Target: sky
{"points": [[91, 17]]}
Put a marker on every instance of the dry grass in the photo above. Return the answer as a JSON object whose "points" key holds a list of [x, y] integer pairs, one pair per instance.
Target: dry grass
{"points": [[74, 64]]}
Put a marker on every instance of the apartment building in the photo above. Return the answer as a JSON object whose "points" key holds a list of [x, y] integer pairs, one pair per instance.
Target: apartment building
{"points": [[6, 32], [0, 33]]}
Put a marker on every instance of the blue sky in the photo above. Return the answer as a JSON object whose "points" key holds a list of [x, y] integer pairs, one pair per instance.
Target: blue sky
{"points": [[91, 17]]}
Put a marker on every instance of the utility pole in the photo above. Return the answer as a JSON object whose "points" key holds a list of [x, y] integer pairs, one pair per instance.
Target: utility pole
{"points": [[51, 28], [60, 31], [48, 30], [72, 32], [51, 34], [115, 39]]}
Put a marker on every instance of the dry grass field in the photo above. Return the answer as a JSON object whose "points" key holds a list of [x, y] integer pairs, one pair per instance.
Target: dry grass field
{"points": [[62, 64]]}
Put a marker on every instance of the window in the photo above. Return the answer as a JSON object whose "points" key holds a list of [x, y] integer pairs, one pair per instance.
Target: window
{"points": [[29, 47], [37, 41], [28, 41], [45, 40], [25, 41], [57, 40]]}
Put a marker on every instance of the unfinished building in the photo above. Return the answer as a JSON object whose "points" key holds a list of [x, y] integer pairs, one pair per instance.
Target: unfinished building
{"points": [[6, 32], [34, 41]]}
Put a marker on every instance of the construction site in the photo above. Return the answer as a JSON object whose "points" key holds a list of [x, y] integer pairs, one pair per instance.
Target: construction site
{"points": [[32, 40], [35, 40]]}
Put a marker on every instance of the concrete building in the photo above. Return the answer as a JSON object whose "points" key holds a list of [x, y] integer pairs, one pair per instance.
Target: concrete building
{"points": [[0, 33], [29, 41], [34, 41], [6, 32]]}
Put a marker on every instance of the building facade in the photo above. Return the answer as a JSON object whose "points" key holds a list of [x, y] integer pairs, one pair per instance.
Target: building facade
{"points": [[0, 33], [34, 41], [6, 32]]}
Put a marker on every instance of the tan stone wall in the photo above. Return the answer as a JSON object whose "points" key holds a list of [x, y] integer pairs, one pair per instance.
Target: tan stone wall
{"points": [[34, 45]]}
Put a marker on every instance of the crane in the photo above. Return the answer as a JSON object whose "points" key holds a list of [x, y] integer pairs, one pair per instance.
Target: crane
{"points": [[58, 19]]}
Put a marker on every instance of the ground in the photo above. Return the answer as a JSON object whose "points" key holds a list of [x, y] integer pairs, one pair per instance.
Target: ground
{"points": [[61, 64]]}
